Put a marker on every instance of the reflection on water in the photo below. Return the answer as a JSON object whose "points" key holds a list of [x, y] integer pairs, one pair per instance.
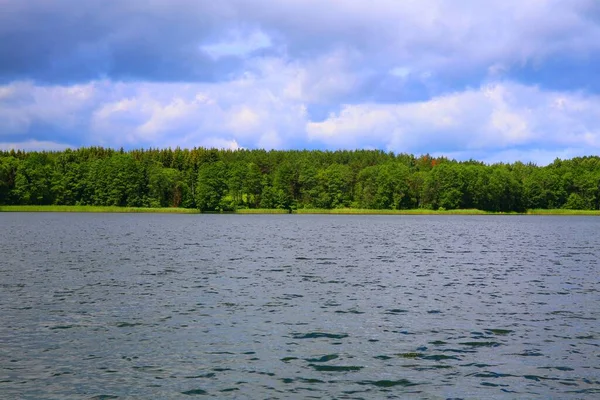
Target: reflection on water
{"points": [[277, 306]]}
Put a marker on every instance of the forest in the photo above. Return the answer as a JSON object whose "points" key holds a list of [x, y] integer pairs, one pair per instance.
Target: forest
{"points": [[228, 180]]}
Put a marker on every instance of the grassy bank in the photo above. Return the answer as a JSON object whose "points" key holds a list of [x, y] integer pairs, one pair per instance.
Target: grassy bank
{"points": [[560, 211], [97, 209], [359, 211], [337, 211], [262, 211]]}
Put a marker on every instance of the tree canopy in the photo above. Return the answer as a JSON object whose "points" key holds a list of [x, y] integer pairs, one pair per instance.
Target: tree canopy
{"points": [[221, 180]]}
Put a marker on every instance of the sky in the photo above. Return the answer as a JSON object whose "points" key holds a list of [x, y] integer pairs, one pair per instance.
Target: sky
{"points": [[494, 80]]}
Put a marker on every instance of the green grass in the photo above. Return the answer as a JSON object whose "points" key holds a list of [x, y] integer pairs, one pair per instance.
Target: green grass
{"points": [[561, 211], [358, 211], [97, 209], [390, 212], [261, 211], [337, 211]]}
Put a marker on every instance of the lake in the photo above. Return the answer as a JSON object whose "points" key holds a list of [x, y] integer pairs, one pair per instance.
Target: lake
{"points": [[102, 306]]}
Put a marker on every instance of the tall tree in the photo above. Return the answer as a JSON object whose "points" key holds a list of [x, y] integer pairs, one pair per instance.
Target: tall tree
{"points": [[211, 186]]}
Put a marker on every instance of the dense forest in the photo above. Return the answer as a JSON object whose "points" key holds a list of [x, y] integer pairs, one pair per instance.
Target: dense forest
{"points": [[213, 180]]}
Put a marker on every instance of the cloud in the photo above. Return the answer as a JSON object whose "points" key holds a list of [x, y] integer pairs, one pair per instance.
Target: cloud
{"points": [[238, 43], [25, 107], [188, 40], [253, 111], [74, 41], [504, 119], [218, 143], [499, 118], [495, 79]]}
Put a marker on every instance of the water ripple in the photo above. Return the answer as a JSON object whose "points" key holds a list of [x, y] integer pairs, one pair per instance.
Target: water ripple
{"points": [[110, 306]]}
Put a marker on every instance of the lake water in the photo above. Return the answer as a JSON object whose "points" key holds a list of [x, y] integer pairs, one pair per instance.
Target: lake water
{"points": [[299, 306]]}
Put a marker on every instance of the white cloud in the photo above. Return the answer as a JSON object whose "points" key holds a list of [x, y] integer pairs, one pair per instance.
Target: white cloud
{"points": [[62, 107], [253, 110], [322, 79], [495, 118], [270, 140], [504, 119], [257, 110], [238, 43], [149, 39], [219, 143], [434, 35], [400, 72], [244, 120]]}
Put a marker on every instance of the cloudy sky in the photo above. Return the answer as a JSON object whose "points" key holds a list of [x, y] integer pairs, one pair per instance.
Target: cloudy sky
{"points": [[495, 80]]}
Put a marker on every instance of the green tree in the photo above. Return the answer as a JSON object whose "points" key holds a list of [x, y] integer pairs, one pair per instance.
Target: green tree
{"points": [[366, 187], [444, 186], [117, 180], [238, 172], [211, 186], [392, 186], [576, 202], [253, 185], [504, 192], [542, 188], [335, 183], [286, 185], [33, 180], [69, 180], [165, 186], [8, 174]]}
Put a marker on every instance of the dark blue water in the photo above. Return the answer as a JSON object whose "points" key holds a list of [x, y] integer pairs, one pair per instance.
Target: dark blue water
{"points": [[294, 306]]}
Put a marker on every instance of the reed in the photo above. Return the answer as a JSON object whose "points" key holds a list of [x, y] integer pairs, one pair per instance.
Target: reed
{"points": [[360, 211], [561, 211], [336, 211], [97, 209], [262, 211]]}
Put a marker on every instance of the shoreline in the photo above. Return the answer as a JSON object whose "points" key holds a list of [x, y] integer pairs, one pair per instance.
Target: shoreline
{"points": [[98, 209], [343, 211]]}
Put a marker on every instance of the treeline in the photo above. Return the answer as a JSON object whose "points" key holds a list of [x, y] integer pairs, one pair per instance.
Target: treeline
{"points": [[212, 180]]}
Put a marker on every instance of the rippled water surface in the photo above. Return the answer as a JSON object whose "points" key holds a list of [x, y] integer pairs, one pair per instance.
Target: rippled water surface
{"points": [[299, 306]]}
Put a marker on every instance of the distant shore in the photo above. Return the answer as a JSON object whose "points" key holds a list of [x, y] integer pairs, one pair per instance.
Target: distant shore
{"points": [[98, 209], [337, 211]]}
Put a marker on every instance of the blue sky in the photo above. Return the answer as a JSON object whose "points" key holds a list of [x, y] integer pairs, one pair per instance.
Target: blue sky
{"points": [[496, 80]]}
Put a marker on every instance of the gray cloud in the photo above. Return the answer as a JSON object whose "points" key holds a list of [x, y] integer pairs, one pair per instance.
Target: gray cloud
{"points": [[506, 119], [74, 41], [302, 73], [62, 41]]}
